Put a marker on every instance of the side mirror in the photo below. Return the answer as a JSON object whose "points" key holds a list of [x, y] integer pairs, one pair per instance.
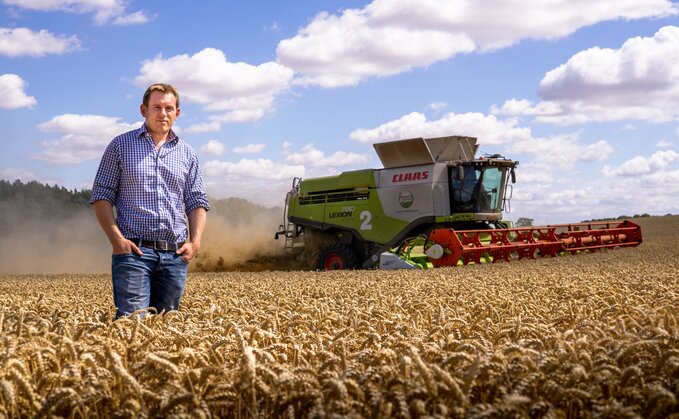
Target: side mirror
{"points": [[513, 175], [460, 173]]}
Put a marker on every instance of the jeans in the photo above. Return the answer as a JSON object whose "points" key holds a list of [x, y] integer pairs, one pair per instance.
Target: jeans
{"points": [[154, 279]]}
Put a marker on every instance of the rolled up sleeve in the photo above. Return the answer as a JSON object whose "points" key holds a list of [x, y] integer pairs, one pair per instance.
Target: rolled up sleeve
{"points": [[194, 193], [107, 179]]}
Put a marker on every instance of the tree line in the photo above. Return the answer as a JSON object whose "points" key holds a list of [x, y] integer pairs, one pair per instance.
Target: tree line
{"points": [[34, 203], [35, 195], [21, 201]]}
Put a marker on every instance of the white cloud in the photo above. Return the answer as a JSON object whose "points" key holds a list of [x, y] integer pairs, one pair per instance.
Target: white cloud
{"points": [[663, 143], [549, 205], [392, 36], [274, 27], [83, 137], [264, 192], [500, 23], [310, 155], [640, 185], [338, 51], [564, 148], [243, 92], [487, 128], [15, 42], [437, 106], [240, 115], [213, 148], [104, 11], [639, 81], [641, 165], [514, 107], [665, 184], [596, 197], [580, 112], [11, 174], [12, 95], [553, 156], [266, 181], [204, 127], [135, 18], [246, 169], [249, 149]]}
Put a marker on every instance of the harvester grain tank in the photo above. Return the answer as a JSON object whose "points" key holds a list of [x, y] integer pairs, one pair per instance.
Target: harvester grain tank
{"points": [[433, 204]]}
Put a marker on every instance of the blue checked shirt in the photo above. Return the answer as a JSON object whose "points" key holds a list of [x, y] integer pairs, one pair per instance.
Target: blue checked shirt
{"points": [[152, 190]]}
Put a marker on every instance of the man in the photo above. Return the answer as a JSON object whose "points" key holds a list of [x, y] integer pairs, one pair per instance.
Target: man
{"points": [[154, 181]]}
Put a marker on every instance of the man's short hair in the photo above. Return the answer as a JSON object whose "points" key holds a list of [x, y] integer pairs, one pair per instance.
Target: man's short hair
{"points": [[159, 87]]}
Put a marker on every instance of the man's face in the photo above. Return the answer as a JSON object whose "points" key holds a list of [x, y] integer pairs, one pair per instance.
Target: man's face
{"points": [[161, 112]]}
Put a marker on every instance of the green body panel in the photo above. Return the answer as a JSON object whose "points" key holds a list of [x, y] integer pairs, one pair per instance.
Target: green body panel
{"points": [[346, 180], [348, 201]]}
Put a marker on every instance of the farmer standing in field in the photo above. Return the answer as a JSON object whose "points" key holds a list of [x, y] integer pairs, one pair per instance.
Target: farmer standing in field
{"points": [[154, 181]]}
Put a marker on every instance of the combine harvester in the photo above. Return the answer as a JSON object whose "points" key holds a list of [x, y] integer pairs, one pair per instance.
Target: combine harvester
{"points": [[433, 204]]}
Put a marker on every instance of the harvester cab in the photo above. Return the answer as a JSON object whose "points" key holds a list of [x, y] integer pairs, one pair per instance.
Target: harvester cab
{"points": [[431, 195]]}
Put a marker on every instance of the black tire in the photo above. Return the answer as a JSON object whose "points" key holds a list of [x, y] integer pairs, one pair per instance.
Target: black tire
{"points": [[337, 256]]}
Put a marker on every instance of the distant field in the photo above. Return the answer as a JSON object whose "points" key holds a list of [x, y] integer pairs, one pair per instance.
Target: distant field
{"points": [[592, 335]]}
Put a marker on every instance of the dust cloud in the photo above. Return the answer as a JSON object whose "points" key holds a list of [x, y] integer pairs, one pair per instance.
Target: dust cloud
{"points": [[239, 236], [63, 242]]}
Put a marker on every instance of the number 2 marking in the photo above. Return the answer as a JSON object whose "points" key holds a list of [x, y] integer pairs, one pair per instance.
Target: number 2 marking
{"points": [[366, 216]]}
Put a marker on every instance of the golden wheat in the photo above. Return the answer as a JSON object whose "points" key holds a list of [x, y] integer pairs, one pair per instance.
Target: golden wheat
{"points": [[593, 335]]}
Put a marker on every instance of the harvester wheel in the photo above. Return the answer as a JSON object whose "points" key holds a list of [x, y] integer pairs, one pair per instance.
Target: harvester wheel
{"points": [[337, 256]]}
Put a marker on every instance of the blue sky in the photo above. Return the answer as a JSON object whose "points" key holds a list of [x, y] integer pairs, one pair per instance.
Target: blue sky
{"points": [[583, 93]]}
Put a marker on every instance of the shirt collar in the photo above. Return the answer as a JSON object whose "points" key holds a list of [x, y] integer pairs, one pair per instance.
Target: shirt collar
{"points": [[143, 132]]}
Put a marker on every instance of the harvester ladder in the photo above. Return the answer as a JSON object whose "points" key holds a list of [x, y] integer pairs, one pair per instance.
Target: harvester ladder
{"points": [[290, 241], [289, 229]]}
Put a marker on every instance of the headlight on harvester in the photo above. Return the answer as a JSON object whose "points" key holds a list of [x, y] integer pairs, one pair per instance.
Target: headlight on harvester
{"points": [[434, 252]]}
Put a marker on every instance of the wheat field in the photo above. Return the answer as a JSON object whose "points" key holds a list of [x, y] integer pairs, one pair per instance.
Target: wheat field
{"points": [[592, 335]]}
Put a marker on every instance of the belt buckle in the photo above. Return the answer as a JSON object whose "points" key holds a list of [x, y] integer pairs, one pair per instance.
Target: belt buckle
{"points": [[161, 245]]}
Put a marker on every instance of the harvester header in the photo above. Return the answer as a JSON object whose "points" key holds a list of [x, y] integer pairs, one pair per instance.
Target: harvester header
{"points": [[433, 204]]}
